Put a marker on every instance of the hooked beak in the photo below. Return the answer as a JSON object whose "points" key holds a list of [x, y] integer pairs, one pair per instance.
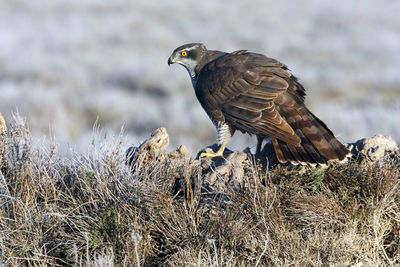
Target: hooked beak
{"points": [[171, 60]]}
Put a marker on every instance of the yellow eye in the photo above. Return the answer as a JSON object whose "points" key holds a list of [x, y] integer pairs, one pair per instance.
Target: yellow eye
{"points": [[184, 54]]}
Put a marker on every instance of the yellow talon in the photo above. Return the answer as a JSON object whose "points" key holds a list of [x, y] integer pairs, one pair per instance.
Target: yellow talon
{"points": [[210, 155], [219, 153]]}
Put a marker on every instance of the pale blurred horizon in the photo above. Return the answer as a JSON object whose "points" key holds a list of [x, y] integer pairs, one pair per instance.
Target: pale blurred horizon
{"points": [[66, 64]]}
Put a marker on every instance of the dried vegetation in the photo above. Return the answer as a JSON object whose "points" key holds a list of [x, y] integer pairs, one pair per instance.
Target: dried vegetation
{"points": [[94, 210]]}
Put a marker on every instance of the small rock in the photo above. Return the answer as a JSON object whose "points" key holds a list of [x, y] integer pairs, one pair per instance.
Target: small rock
{"points": [[180, 153], [152, 150], [237, 162], [377, 149], [226, 176]]}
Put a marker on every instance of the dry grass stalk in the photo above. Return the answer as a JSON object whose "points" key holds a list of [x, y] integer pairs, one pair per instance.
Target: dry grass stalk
{"points": [[92, 208]]}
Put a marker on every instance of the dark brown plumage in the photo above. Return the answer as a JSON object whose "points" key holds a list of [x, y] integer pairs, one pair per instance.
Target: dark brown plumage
{"points": [[258, 95]]}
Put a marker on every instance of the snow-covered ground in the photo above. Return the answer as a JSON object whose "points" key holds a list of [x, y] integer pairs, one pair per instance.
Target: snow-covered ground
{"points": [[65, 64]]}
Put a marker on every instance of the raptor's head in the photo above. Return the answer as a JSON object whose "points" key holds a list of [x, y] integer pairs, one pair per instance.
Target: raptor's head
{"points": [[189, 56]]}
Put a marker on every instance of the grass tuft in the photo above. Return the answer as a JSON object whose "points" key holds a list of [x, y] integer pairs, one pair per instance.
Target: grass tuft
{"points": [[92, 209]]}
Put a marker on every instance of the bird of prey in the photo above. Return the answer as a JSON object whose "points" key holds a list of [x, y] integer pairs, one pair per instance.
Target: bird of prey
{"points": [[257, 95]]}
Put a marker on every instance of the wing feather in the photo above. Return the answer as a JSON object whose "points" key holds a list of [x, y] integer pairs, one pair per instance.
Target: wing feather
{"points": [[241, 89], [241, 114], [251, 103]]}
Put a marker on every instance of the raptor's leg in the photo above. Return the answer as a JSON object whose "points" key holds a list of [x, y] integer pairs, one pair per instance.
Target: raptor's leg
{"points": [[219, 153], [225, 133]]}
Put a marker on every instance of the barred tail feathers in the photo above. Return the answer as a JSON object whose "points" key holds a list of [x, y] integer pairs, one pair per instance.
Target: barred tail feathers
{"points": [[318, 144]]}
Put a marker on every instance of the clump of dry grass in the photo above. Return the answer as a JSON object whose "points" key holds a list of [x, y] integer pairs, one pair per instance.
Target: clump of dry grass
{"points": [[93, 210]]}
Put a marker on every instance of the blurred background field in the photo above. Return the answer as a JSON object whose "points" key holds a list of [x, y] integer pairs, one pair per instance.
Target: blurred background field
{"points": [[65, 64]]}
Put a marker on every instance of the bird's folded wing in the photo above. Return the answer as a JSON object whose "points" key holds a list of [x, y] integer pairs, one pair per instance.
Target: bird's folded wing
{"points": [[242, 88]]}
